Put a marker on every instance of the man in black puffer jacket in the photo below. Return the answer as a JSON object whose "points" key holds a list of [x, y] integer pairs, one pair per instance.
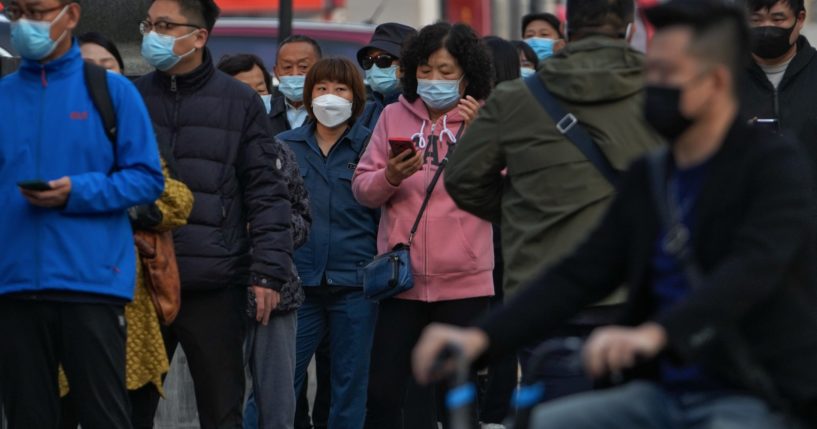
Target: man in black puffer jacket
{"points": [[239, 232]]}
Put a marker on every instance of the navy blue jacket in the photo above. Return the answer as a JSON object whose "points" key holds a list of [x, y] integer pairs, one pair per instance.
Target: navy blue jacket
{"points": [[343, 238]]}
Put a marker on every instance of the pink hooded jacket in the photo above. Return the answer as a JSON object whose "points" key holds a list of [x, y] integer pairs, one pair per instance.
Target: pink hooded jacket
{"points": [[452, 255]]}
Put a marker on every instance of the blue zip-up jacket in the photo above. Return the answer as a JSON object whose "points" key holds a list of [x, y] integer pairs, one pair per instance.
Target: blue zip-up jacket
{"points": [[343, 238], [50, 128]]}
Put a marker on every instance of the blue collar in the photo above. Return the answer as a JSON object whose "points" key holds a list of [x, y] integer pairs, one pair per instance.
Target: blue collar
{"points": [[71, 62], [356, 135]]}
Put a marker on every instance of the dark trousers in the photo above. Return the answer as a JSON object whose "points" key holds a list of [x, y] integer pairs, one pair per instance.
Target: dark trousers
{"points": [[210, 328], [140, 402], [399, 325], [320, 411], [89, 341]]}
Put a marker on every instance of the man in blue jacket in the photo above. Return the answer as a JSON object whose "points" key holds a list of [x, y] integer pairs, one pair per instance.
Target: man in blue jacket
{"points": [[68, 268]]}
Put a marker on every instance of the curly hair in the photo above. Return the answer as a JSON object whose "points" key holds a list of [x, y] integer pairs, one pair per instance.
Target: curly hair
{"points": [[463, 44]]}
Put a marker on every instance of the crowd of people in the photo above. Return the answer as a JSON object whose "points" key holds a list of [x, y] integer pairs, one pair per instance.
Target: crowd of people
{"points": [[658, 209]]}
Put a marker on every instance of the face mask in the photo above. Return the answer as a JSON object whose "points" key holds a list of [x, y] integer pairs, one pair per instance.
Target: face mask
{"points": [[267, 99], [439, 95], [526, 72], [662, 110], [543, 47], [383, 81], [32, 39], [770, 42], [331, 110], [157, 49], [292, 87]]}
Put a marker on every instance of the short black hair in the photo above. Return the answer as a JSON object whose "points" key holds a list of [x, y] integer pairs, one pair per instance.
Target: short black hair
{"points": [[104, 42], [527, 51], [720, 31], [590, 16], [795, 5], [201, 12], [240, 63], [464, 45], [550, 18], [295, 38], [505, 58]]}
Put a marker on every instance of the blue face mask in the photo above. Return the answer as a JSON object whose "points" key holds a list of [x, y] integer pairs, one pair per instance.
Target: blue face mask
{"points": [[383, 81], [292, 87], [157, 49], [543, 47], [526, 71], [440, 95], [32, 39], [267, 99]]}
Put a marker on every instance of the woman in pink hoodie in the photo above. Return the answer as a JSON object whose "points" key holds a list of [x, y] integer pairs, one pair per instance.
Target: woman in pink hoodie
{"points": [[446, 70]]}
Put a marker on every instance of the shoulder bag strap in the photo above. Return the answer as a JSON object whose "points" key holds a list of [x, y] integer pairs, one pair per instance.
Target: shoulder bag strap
{"points": [[431, 187], [568, 125]]}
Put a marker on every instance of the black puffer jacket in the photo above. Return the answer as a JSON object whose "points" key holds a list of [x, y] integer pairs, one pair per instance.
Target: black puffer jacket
{"points": [[220, 138]]}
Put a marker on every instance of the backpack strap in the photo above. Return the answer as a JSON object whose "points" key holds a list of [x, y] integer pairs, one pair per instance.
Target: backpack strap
{"points": [[568, 125], [96, 80]]}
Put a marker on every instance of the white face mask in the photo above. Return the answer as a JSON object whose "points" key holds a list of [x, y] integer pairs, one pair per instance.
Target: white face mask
{"points": [[331, 110]]}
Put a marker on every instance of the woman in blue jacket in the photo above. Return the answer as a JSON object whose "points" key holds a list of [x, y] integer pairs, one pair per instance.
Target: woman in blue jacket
{"points": [[342, 240]]}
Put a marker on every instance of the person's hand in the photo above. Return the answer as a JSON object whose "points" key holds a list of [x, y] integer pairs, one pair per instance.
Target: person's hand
{"points": [[266, 300], [471, 341], [55, 197], [401, 166], [613, 349], [469, 108]]}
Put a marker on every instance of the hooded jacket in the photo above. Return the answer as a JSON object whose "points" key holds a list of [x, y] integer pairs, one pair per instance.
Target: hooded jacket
{"points": [[792, 103], [452, 253], [50, 129], [552, 195]]}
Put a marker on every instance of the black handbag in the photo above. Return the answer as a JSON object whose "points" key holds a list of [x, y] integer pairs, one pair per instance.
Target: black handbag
{"points": [[390, 274]]}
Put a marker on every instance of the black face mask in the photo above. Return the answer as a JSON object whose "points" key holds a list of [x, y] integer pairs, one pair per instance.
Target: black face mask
{"points": [[662, 110], [771, 42]]}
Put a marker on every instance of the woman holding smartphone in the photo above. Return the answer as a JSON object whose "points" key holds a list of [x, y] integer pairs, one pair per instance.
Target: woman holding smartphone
{"points": [[446, 70]]}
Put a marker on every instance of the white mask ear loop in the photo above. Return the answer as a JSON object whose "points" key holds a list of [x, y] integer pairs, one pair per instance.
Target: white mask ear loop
{"points": [[446, 132], [420, 137]]}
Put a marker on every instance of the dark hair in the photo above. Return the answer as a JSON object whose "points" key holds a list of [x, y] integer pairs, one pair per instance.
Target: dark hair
{"points": [[340, 70], [527, 51], [550, 18], [592, 16], [202, 12], [463, 44], [720, 31], [240, 63], [104, 43], [505, 58], [795, 5], [295, 38]]}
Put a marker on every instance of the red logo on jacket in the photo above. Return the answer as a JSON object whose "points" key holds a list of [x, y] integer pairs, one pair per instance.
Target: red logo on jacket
{"points": [[79, 116]]}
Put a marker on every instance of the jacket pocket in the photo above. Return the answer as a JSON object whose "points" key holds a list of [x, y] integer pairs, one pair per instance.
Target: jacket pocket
{"points": [[449, 249]]}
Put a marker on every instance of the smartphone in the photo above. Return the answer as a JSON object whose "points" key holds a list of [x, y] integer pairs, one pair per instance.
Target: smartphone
{"points": [[400, 145], [34, 185], [772, 124]]}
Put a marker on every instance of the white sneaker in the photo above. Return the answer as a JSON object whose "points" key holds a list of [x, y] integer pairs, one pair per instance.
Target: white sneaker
{"points": [[492, 426]]}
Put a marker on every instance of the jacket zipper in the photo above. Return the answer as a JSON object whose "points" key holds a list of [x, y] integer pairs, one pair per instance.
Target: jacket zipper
{"points": [[426, 215], [38, 171], [177, 100], [777, 104]]}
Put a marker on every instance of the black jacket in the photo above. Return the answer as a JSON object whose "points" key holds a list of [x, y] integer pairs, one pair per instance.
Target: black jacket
{"points": [[793, 103], [278, 116], [221, 141], [755, 242]]}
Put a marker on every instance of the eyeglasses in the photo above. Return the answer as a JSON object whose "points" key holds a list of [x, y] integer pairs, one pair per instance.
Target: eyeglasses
{"points": [[14, 12], [382, 61], [146, 26]]}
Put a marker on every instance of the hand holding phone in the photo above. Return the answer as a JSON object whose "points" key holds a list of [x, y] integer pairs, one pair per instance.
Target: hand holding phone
{"points": [[400, 167]]}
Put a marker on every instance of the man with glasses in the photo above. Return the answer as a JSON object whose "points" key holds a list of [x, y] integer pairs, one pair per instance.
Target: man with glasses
{"points": [[380, 60], [238, 234], [69, 268], [296, 55]]}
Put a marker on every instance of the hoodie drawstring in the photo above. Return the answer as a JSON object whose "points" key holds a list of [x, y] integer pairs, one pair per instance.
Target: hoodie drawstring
{"points": [[446, 132], [420, 137]]}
